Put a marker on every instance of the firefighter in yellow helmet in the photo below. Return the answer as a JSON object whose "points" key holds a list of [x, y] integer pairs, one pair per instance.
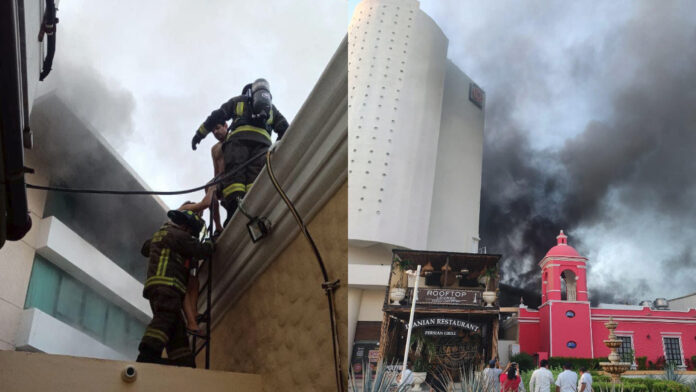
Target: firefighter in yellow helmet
{"points": [[165, 287], [254, 117]]}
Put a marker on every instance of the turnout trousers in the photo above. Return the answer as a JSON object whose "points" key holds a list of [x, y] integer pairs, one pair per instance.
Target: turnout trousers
{"points": [[235, 153], [167, 330]]}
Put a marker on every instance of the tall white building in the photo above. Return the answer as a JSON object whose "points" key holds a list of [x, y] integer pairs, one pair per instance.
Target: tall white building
{"points": [[415, 150]]}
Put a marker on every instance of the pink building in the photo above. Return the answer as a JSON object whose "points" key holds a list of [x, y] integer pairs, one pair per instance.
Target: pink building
{"points": [[566, 326]]}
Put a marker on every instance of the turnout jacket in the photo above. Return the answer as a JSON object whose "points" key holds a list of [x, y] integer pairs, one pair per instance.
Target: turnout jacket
{"points": [[244, 127], [169, 250]]}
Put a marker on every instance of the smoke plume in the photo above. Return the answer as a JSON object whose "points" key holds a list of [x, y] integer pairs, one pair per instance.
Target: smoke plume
{"points": [[590, 128]]}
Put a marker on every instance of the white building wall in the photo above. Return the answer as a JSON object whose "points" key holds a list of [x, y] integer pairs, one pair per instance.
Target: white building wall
{"points": [[683, 303], [39, 331], [371, 305], [33, 16], [396, 65], [454, 215]]}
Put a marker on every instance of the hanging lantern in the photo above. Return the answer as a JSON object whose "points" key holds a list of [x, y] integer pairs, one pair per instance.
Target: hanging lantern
{"points": [[427, 269]]}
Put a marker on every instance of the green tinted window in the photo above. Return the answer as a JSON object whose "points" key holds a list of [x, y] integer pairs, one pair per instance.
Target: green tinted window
{"points": [[116, 327], [58, 294], [94, 316], [43, 286], [136, 329], [69, 300]]}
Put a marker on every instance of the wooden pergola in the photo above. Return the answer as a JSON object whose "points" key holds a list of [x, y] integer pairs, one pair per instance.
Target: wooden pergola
{"points": [[450, 300]]}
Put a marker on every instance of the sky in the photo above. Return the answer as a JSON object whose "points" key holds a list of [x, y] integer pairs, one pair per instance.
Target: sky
{"points": [[146, 74]]}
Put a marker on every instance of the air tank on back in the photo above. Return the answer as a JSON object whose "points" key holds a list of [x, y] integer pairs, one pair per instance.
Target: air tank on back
{"points": [[261, 98]]}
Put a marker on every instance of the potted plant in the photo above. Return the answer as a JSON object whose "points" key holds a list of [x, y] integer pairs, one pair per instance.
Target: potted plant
{"points": [[398, 291], [421, 354], [489, 295]]}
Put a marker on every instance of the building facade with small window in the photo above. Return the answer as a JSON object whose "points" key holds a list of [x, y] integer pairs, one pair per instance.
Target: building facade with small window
{"points": [[565, 325]]}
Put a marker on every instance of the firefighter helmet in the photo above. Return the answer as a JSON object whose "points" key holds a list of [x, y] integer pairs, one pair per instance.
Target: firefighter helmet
{"points": [[187, 218]]}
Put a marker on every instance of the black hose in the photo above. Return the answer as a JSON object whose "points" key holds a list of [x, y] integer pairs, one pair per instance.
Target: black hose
{"points": [[49, 27], [117, 192], [328, 286]]}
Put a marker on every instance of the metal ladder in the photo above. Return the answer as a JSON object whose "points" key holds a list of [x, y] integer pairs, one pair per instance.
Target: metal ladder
{"points": [[207, 287]]}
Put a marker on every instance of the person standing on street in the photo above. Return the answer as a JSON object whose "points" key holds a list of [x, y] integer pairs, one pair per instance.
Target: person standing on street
{"points": [[567, 380], [542, 378], [491, 376], [510, 379], [585, 384]]}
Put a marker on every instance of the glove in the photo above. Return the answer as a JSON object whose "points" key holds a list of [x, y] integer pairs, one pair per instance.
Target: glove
{"points": [[196, 139]]}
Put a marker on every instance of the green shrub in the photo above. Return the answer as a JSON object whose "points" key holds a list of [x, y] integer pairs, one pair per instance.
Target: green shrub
{"points": [[596, 377], [625, 387], [642, 363], [525, 361], [668, 386], [577, 363]]}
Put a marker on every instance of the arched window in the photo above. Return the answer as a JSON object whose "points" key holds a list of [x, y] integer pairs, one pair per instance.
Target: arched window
{"points": [[569, 285]]}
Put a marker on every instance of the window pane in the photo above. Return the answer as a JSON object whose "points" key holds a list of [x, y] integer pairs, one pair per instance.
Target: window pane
{"points": [[135, 332], [116, 327], [94, 318], [43, 286], [625, 351], [673, 350], [69, 300]]}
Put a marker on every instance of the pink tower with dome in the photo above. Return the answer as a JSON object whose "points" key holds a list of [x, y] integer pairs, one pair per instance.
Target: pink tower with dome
{"points": [[566, 326]]}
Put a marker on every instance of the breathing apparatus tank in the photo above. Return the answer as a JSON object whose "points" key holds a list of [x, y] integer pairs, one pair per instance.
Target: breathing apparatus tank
{"points": [[261, 99]]}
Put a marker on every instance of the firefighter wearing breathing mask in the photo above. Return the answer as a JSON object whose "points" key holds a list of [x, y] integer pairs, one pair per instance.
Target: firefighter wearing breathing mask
{"points": [[254, 117], [170, 251]]}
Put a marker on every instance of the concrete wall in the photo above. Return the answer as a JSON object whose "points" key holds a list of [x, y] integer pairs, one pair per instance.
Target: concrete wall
{"points": [[396, 64], [454, 214], [22, 371], [280, 327], [683, 303], [41, 332], [371, 305]]}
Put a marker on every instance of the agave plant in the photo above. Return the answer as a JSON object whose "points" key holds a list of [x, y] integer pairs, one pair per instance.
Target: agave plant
{"points": [[692, 385], [470, 381], [671, 374], [384, 380]]}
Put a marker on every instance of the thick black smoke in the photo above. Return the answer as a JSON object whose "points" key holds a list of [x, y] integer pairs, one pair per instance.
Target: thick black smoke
{"points": [[631, 166], [69, 121]]}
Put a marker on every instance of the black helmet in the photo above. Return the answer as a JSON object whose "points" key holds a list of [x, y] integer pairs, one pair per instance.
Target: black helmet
{"points": [[187, 218]]}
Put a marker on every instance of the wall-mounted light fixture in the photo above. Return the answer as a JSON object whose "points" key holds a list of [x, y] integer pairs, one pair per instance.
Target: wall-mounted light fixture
{"points": [[258, 227]]}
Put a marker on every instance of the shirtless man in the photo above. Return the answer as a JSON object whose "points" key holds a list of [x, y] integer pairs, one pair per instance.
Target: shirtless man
{"points": [[191, 299], [220, 132]]}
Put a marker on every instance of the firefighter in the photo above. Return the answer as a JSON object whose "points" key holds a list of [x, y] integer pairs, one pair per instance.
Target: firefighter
{"points": [[165, 287], [254, 117]]}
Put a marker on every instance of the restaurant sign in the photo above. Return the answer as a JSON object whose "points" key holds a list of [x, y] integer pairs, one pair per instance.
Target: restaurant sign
{"points": [[449, 297], [439, 332], [445, 322]]}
